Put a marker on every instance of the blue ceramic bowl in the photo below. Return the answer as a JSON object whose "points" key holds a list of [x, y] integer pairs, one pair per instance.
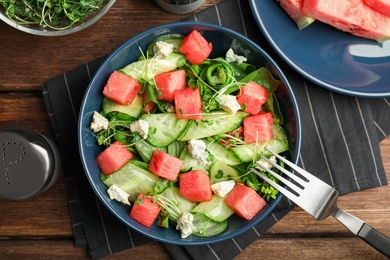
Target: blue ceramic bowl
{"points": [[222, 39]]}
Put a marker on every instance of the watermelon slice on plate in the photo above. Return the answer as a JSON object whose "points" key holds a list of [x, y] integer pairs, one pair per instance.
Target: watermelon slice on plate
{"points": [[382, 6], [294, 9], [351, 16]]}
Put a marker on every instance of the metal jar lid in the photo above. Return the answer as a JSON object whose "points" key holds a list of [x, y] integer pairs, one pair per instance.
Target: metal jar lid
{"points": [[180, 6], [30, 163]]}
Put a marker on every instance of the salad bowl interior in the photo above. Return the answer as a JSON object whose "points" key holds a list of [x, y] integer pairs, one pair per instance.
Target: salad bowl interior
{"points": [[222, 39]]}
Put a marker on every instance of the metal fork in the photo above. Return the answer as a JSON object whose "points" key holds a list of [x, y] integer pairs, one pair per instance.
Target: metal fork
{"points": [[320, 200]]}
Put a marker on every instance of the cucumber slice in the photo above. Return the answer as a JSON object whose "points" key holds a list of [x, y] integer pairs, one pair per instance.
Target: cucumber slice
{"points": [[250, 152], [212, 124], [133, 180], [205, 227], [133, 109], [164, 128], [220, 171], [146, 150], [220, 153], [145, 70], [179, 203], [193, 164], [140, 164], [215, 209], [245, 153]]}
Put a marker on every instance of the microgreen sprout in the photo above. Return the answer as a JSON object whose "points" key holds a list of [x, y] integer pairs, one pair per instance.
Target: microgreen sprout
{"points": [[54, 14]]}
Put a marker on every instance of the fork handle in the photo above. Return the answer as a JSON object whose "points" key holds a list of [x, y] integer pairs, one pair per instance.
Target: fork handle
{"points": [[361, 229], [375, 238]]}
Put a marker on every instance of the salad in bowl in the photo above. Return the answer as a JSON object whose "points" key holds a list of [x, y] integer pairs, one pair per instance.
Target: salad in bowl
{"points": [[173, 122]]}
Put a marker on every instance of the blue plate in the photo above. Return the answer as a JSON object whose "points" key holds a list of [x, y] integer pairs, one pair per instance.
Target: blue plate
{"points": [[331, 58], [222, 39]]}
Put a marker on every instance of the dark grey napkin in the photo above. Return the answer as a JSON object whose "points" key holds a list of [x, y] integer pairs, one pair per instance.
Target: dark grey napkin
{"points": [[341, 136]]}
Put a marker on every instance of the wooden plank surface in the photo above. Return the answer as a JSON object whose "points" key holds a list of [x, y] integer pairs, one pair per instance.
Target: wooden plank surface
{"points": [[40, 228]]}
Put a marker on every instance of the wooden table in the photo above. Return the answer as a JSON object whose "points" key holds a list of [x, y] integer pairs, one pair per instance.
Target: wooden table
{"points": [[41, 227]]}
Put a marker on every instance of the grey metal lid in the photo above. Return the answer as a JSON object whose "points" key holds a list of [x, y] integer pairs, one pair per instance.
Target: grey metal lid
{"points": [[180, 6], [30, 163]]}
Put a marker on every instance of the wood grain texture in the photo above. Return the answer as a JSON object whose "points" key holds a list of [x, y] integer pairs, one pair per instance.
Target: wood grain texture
{"points": [[40, 228]]}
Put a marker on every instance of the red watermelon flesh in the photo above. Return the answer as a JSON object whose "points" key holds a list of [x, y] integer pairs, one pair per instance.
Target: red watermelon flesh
{"points": [[188, 103], [145, 211], [196, 186], [244, 201], [113, 158], [195, 47], [121, 88], [165, 165], [252, 96], [170, 82], [351, 16], [294, 9], [382, 6], [258, 128]]}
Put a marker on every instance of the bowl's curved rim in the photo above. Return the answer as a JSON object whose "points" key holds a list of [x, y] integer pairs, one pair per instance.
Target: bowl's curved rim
{"points": [[78, 28], [273, 204]]}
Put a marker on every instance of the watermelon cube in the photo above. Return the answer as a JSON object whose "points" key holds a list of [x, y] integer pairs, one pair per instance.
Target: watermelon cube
{"points": [[195, 186], [113, 158], [188, 104], [121, 88], [169, 82], [195, 47], [258, 128], [252, 96], [144, 210], [165, 165], [244, 201]]}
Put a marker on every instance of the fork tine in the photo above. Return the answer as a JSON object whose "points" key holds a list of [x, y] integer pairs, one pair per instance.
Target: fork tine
{"points": [[281, 189], [281, 178], [298, 169], [286, 172]]}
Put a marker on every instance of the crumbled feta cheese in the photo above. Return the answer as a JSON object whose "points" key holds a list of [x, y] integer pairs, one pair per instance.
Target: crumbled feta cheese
{"points": [[118, 194], [222, 188], [265, 163], [197, 150], [232, 57], [99, 122], [229, 103], [163, 49], [169, 108], [141, 127], [184, 224]]}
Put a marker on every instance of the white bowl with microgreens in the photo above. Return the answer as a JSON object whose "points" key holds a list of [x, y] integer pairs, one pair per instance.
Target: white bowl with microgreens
{"points": [[171, 124]]}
